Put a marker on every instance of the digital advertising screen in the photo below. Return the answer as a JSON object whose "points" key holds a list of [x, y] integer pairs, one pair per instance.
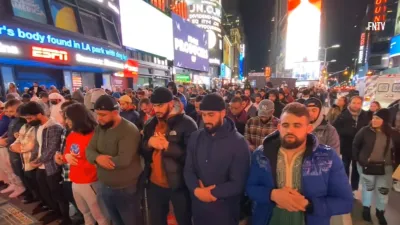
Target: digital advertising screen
{"points": [[303, 33], [146, 28], [394, 46], [206, 14], [227, 52], [190, 45]]}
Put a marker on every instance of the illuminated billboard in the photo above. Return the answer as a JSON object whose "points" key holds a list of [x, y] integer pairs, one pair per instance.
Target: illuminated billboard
{"points": [[227, 52], [146, 28], [303, 33], [206, 14]]}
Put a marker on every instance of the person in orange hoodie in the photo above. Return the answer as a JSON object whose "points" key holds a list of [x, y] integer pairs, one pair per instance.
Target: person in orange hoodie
{"points": [[83, 174]]}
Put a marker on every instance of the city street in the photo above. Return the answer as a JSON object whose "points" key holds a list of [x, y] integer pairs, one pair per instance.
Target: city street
{"points": [[392, 213]]}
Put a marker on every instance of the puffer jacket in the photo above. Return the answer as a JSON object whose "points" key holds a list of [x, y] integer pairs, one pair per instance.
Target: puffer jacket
{"points": [[180, 127], [324, 182]]}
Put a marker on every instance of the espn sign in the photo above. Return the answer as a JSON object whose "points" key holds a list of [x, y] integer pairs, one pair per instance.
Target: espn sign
{"points": [[50, 54]]}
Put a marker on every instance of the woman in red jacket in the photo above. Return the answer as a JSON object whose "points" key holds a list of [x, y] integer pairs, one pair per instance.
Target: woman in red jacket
{"points": [[82, 174]]}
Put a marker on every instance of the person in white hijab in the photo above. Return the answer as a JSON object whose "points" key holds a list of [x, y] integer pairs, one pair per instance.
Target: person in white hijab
{"points": [[55, 109]]}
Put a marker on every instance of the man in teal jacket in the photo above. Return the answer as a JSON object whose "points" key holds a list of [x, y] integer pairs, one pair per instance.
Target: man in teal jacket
{"points": [[295, 181]]}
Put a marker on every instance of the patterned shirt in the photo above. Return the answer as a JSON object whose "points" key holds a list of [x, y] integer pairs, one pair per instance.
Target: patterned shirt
{"points": [[256, 130], [65, 167], [288, 174]]}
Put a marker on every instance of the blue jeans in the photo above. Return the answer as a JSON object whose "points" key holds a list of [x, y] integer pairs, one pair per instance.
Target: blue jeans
{"points": [[381, 185], [122, 205]]}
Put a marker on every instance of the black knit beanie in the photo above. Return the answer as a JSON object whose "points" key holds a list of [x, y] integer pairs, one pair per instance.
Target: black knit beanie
{"points": [[161, 95], [212, 102], [384, 114]]}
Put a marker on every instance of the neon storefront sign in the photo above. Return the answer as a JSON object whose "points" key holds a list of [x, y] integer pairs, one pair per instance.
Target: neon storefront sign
{"points": [[7, 49], [43, 38], [50, 54]]}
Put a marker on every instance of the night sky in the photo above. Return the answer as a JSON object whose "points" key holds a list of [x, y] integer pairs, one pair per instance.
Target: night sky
{"points": [[342, 17]]}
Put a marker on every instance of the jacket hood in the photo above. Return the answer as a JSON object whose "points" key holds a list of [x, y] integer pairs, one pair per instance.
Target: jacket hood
{"points": [[319, 121], [228, 128], [173, 86], [273, 140]]}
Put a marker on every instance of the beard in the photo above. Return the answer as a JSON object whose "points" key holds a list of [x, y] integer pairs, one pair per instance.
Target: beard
{"points": [[211, 129], [163, 116], [107, 125], [291, 144]]}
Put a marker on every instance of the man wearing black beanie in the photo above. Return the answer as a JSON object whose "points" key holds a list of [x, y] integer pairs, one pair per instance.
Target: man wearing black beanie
{"points": [[165, 137], [217, 164]]}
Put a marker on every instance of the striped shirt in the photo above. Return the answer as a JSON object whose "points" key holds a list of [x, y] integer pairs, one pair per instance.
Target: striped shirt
{"points": [[256, 130]]}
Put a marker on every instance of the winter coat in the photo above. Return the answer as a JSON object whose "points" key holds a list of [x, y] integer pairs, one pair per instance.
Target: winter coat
{"points": [[180, 127], [347, 129], [278, 104], [4, 122], [198, 119], [223, 160], [132, 116], [327, 134], [364, 143], [324, 182], [252, 111], [240, 121]]}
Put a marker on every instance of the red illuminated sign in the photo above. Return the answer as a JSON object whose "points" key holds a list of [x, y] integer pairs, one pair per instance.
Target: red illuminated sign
{"points": [[380, 10], [50, 54], [131, 68]]}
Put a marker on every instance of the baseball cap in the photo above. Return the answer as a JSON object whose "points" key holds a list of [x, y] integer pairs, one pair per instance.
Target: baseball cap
{"points": [[313, 102], [265, 108], [106, 102]]}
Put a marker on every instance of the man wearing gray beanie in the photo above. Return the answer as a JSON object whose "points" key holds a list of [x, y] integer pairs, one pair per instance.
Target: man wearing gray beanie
{"points": [[217, 164]]}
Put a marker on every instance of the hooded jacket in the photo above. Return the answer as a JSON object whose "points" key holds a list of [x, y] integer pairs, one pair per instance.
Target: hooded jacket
{"points": [[278, 104], [326, 133], [180, 127], [222, 160], [324, 182]]}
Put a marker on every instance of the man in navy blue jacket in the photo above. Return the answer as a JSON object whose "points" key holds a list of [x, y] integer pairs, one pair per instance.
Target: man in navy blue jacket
{"points": [[294, 180], [217, 164]]}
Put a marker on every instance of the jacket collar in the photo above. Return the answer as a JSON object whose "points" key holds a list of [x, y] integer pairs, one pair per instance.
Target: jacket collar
{"points": [[272, 143]]}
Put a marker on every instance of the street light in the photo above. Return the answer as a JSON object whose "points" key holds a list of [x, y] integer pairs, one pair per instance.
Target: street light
{"points": [[333, 60], [326, 51]]}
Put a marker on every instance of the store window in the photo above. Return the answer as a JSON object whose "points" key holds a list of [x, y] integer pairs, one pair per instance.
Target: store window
{"points": [[143, 82], [63, 16], [31, 10], [91, 25], [76, 81], [110, 31]]}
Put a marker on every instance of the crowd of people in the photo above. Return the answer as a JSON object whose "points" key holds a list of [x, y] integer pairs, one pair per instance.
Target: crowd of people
{"points": [[216, 157]]}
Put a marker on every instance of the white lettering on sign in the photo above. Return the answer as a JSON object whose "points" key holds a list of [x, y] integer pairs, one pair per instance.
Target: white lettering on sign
{"points": [[48, 53], [9, 49], [99, 62], [214, 61], [131, 68], [376, 26]]}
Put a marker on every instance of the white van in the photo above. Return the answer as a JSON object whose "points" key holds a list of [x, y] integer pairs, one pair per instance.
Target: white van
{"points": [[382, 88]]}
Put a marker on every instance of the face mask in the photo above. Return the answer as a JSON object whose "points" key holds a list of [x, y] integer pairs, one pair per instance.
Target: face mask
{"points": [[34, 123], [54, 102], [107, 125]]}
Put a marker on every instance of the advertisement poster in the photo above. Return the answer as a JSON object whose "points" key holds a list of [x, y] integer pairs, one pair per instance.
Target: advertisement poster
{"points": [[30, 9], [207, 15], [304, 18], [227, 52], [190, 45], [63, 16]]}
